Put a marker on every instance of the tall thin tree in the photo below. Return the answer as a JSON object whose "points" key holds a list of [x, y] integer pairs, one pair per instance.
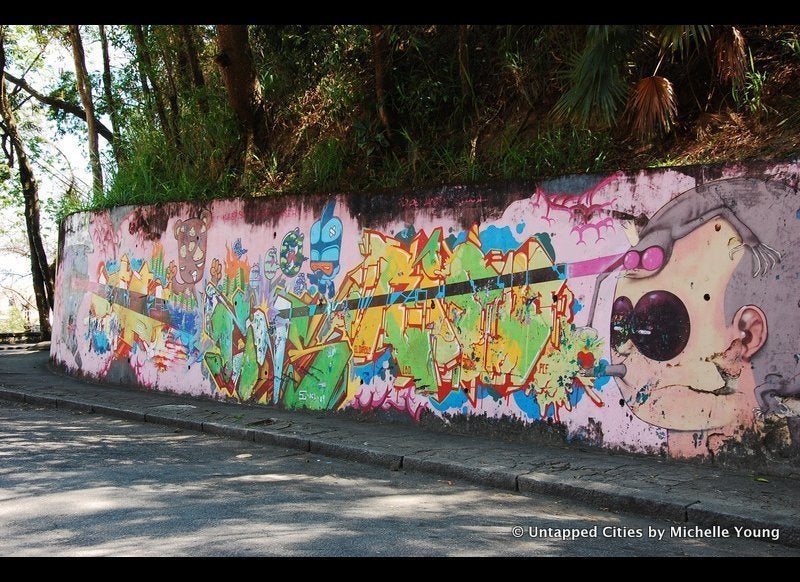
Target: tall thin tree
{"points": [[464, 67], [85, 91], [113, 112], [187, 36], [235, 60], [380, 56], [140, 66], [163, 43], [42, 284], [147, 74]]}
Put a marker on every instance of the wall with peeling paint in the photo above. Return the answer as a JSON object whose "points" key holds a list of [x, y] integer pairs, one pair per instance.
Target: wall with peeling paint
{"points": [[653, 312]]}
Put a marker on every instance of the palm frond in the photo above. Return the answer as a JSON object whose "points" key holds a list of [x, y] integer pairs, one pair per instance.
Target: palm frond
{"points": [[730, 57], [597, 76], [651, 106], [680, 37]]}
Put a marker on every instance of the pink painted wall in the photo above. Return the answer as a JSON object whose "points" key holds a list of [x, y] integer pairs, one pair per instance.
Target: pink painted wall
{"points": [[653, 312]]}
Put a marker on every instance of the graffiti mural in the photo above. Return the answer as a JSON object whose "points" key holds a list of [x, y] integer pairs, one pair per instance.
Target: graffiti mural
{"points": [[653, 312], [326, 238], [690, 343], [191, 235]]}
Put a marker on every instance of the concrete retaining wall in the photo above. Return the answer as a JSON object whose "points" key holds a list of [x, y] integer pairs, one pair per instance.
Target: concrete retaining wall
{"points": [[653, 312]]}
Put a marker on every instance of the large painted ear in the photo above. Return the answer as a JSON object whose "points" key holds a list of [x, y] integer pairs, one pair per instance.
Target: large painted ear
{"points": [[205, 216], [752, 325], [177, 227]]}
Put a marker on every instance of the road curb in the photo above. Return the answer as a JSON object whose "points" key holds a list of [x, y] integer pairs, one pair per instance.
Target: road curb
{"points": [[360, 454], [282, 440], [123, 413], [74, 405], [226, 430], [41, 400], [697, 514], [613, 497], [12, 395], [175, 422], [39, 346], [497, 478]]}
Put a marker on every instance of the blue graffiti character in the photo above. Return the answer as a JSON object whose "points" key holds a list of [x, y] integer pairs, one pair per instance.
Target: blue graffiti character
{"points": [[326, 244]]}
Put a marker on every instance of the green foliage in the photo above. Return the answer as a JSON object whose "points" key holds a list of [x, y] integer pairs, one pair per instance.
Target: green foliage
{"points": [[466, 105], [679, 38], [598, 84], [369, 136], [57, 207], [554, 151], [13, 321], [10, 193], [156, 171], [620, 64], [293, 59], [66, 89], [323, 167], [751, 96], [427, 87], [792, 45]]}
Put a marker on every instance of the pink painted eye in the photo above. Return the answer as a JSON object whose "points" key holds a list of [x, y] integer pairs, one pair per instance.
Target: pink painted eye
{"points": [[631, 260], [653, 258]]}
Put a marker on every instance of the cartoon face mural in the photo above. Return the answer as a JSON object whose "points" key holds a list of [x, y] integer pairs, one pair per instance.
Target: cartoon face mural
{"points": [[684, 361], [326, 242], [192, 236], [686, 358], [692, 344]]}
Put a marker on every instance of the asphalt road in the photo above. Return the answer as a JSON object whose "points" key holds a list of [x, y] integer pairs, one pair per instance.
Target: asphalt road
{"points": [[79, 484]]}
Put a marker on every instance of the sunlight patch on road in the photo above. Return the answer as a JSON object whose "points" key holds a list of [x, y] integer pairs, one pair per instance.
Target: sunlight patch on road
{"points": [[70, 503], [270, 478]]}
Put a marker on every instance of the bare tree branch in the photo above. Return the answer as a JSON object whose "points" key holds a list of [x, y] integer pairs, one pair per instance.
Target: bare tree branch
{"points": [[57, 103], [26, 302]]}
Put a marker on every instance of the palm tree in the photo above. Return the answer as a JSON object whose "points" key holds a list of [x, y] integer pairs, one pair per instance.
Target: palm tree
{"points": [[603, 87]]}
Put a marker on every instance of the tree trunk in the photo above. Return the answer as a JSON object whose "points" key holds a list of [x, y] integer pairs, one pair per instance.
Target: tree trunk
{"points": [[42, 283], [463, 66], [172, 94], [235, 60], [85, 91], [147, 73], [187, 34], [107, 84], [140, 64], [380, 55]]}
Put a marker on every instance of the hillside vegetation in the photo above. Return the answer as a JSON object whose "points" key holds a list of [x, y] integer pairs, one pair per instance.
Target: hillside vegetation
{"points": [[369, 108]]}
